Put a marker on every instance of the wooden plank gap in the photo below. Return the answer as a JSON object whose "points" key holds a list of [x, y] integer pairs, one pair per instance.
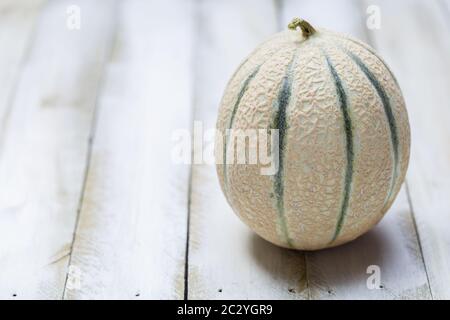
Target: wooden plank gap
{"points": [[113, 44], [413, 218], [194, 68], [371, 41]]}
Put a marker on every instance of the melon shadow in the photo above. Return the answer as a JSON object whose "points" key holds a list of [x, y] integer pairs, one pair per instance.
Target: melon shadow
{"points": [[329, 268]]}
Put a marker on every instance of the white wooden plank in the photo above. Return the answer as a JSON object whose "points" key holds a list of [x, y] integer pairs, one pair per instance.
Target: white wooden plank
{"points": [[226, 259], [44, 148], [341, 273], [131, 237], [17, 19], [415, 39]]}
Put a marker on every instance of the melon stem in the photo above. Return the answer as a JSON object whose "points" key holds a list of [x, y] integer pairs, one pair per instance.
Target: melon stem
{"points": [[307, 29]]}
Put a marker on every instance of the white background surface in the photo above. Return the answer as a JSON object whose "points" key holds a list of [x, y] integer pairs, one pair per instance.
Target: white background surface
{"points": [[91, 205]]}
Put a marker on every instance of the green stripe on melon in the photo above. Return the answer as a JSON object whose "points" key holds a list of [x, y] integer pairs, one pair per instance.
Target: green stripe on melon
{"points": [[343, 139]]}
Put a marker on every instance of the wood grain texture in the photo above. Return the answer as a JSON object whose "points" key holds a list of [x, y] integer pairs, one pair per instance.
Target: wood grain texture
{"points": [[87, 121], [44, 147], [341, 273], [415, 38], [131, 236]]}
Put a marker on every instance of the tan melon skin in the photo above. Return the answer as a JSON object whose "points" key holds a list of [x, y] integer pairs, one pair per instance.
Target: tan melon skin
{"points": [[315, 143]]}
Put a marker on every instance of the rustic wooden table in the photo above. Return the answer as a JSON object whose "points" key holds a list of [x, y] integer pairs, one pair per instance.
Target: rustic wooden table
{"points": [[92, 205]]}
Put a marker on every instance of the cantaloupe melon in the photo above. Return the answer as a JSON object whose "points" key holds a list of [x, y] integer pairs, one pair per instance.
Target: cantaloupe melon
{"points": [[343, 135]]}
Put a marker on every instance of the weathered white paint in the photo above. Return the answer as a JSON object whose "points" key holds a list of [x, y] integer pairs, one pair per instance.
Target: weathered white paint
{"points": [[44, 143], [17, 22], [131, 237], [131, 234], [415, 38]]}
